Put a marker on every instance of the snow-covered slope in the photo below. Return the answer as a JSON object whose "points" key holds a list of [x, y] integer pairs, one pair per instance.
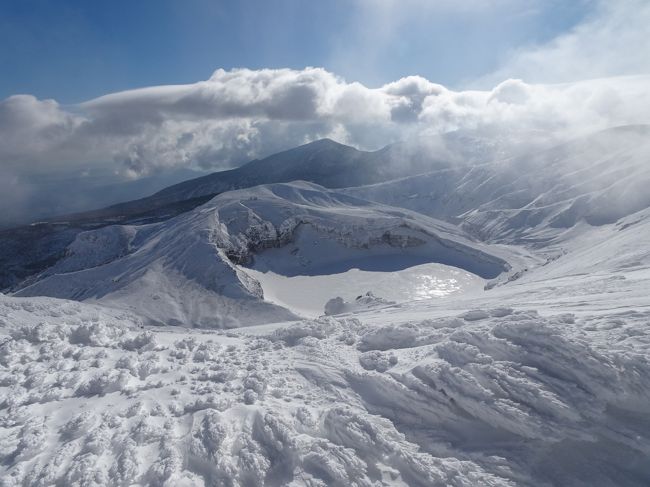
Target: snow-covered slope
{"points": [[542, 378], [172, 273], [188, 270], [433, 393], [528, 199]]}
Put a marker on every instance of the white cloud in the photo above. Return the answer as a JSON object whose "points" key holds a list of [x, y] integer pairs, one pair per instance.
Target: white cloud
{"points": [[32, 127], [241, 114]]}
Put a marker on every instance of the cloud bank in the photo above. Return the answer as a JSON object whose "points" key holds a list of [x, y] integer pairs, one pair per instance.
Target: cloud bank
{"points": [[237, 115]]}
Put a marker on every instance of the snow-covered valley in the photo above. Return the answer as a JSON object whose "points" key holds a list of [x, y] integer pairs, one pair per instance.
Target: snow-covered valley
{"points": [[506, 339]]}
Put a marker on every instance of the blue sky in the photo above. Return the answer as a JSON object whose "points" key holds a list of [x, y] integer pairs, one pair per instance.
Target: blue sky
{"points": [[74, 50]]}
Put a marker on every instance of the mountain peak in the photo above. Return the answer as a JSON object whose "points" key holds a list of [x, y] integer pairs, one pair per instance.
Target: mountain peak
{"points": [[325, 143]]}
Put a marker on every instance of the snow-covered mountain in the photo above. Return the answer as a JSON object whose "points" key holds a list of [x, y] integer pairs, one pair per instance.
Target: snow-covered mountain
{"points": [[538, 376], [27, 250], [598, 179], [30, 249], [185, 270]]}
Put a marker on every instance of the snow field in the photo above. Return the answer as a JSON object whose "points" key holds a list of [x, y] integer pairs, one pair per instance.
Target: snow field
{"points": [[487, 397]]}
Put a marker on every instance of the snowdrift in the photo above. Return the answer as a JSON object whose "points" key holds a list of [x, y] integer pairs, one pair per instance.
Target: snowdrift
{"points": [[495, 396]]}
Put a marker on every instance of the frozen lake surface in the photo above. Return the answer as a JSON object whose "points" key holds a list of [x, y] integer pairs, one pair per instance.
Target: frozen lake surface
{"points": [[307, 295]]}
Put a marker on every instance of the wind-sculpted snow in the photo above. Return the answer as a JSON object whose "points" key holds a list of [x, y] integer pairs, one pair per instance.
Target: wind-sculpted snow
{"points": [[491, 396], [187, 271]]}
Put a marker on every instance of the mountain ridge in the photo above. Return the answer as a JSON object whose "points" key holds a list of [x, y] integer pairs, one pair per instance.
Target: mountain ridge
{"points": [[191, 270], [477, 186]]}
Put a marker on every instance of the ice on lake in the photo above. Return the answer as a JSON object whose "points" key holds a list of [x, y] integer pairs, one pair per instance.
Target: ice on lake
{"points": [[307, 295]]}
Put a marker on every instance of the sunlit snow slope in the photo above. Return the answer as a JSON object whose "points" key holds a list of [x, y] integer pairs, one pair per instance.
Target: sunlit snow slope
{"points": [[530, 199]]}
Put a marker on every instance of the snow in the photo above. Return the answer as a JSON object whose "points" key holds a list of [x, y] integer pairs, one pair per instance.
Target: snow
{"points": [[474, 389], [306, 295], [523, 359], [190, 270], [531, 199], [489, 395]]}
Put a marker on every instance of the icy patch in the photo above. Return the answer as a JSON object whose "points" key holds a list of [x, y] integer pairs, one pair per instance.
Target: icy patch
{"points": [[307, 295]]}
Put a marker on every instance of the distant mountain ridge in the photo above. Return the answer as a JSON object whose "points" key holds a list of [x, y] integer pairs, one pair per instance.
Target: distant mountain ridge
{"points": [[595, 179], [324, 162]]}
